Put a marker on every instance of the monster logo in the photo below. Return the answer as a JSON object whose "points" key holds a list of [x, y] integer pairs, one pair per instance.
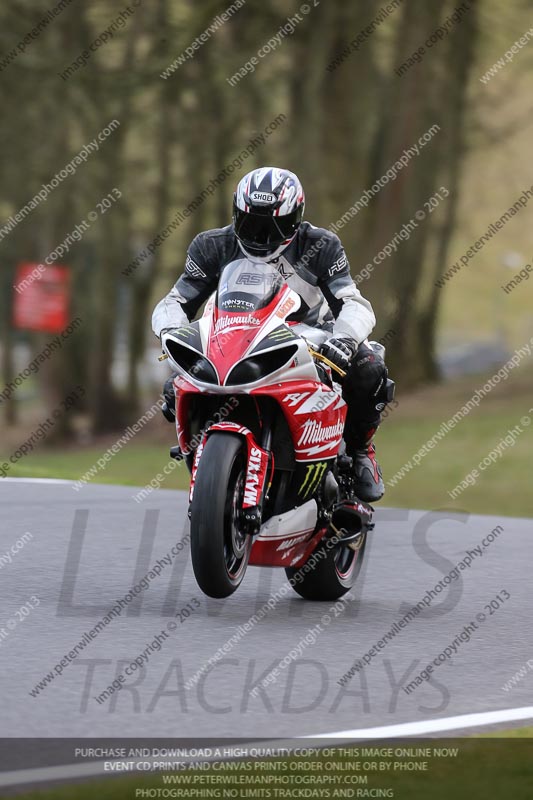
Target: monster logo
{"points": [[313, 476]]}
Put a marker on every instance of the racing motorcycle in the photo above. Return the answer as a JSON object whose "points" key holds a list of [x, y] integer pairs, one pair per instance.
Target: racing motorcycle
{"points": [[260, 418]]}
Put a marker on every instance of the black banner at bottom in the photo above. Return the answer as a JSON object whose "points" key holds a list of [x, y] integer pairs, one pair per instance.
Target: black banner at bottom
{"points": [[131, 769]]}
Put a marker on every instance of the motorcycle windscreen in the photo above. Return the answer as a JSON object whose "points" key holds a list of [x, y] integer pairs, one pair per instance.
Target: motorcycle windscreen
{"points": [[246, 286]]}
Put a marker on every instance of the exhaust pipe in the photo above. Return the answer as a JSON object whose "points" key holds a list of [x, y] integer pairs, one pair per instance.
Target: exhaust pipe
{"points": [[350, 520]]}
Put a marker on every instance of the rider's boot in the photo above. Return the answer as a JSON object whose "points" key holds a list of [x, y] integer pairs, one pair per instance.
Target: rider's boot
{"points": [[366, 472]]}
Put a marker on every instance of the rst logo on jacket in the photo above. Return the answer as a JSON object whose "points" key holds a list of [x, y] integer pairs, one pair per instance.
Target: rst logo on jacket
{"points": [[338, 266], [192, 269], [257, 464]]}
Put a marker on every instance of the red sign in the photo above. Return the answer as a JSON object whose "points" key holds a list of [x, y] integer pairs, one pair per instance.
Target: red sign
{"points": [[42, 298]]}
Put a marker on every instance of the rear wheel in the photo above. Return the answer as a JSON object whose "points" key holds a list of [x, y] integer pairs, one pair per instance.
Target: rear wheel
{"points": [[333, 571], [219, 550]]}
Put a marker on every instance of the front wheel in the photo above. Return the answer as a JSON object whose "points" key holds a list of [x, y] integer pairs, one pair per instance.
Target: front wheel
{"points": [[219, 551], [328, 573]]}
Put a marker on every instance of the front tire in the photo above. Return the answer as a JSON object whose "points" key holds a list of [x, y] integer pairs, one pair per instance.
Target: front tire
{"points": [[332, 576], [219, 551]]}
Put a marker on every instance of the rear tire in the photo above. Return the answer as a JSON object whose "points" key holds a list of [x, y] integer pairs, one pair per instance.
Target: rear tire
{"points": [[219, 552], [332, 576]]}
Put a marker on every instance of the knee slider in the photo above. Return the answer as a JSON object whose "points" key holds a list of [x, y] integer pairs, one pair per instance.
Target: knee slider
{"points": [[367, 371]]}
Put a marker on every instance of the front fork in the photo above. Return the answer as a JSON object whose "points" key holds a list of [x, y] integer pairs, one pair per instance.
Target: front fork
{"points": [[259, 471]]}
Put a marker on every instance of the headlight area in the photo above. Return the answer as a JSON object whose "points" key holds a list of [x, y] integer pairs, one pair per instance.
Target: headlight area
{"points": [[260, 365], [192, 362]]}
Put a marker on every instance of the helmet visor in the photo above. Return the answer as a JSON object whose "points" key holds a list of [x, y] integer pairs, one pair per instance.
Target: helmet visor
{"points": [[265, 230]]}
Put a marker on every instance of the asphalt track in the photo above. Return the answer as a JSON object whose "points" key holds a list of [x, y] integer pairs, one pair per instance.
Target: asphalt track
{"points": [[90, 547]]}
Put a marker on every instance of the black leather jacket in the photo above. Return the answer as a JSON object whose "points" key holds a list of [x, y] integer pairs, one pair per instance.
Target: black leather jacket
{"points": [[314, 265]]}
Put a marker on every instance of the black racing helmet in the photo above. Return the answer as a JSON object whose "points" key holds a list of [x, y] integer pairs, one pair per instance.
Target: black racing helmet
{"points": [[268, 207]]}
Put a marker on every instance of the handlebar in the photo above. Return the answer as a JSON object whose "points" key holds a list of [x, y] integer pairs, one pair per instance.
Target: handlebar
{"points": [[325, 360]]}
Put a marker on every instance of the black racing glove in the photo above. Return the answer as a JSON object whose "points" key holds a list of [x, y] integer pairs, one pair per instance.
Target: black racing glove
{"points": [[339, 351]]}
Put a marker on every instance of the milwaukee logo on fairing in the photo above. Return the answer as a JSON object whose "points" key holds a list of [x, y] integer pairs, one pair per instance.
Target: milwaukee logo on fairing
{"points": [[251, 494], [227, 322], [314, 432]]}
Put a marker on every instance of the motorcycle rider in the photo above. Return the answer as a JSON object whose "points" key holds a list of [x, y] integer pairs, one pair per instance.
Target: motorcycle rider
{"points": [[268, 226]]}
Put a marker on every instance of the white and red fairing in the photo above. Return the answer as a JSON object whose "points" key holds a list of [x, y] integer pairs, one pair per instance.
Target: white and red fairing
{"points": [[314, 411]]}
